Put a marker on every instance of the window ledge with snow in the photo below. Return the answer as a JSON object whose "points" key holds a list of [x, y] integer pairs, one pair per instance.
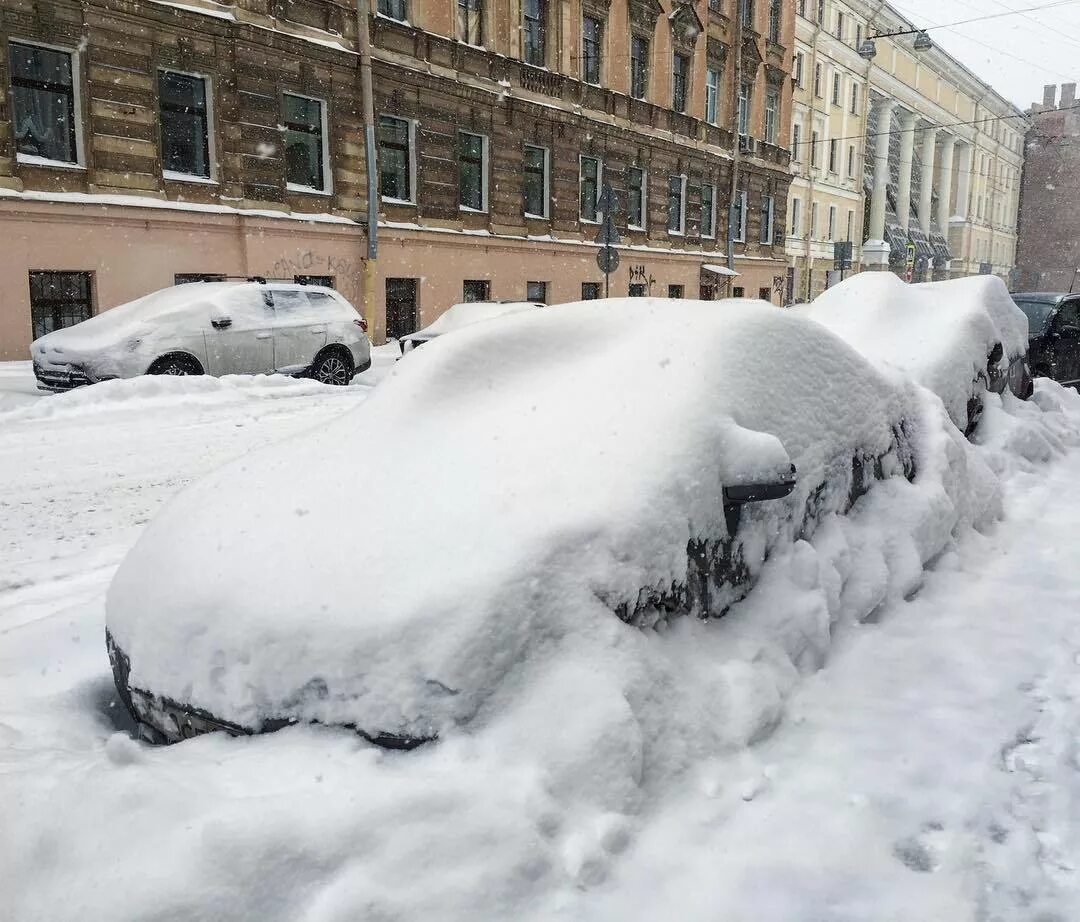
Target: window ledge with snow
{"points": [[470, 210], [306, 190], [35, 160], [174, 176], [398, 201]]}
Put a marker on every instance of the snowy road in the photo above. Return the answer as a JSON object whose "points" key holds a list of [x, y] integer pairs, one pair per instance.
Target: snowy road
{"points": [[931, 771]]}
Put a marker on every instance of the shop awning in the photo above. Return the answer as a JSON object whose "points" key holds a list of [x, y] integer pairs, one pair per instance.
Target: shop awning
{"points": [[719, 270]]}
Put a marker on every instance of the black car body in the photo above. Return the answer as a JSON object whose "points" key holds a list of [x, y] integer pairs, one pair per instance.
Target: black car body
{"points": [[1054, 334]]}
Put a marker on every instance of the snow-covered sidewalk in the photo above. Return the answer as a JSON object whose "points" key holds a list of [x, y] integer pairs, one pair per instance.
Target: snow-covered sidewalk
{"points": [[930, 771]]}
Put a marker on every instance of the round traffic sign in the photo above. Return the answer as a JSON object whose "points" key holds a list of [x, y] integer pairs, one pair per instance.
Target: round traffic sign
{"points": [[607, 258]]}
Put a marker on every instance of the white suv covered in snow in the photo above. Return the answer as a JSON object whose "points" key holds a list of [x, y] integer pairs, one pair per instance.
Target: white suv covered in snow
{"points": [[212, 328]]}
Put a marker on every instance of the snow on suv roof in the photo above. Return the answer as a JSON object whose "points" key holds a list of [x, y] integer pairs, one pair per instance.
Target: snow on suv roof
{"points": [[469, 312], [551, 465]]}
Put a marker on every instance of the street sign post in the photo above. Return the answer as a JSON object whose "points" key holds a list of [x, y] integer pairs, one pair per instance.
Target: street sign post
{"points": [[607, 235], [607, 258]]}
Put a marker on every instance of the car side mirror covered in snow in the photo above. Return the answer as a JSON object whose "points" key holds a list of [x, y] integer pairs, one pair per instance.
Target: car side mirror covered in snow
{"points": [[221, 323], [737, 496]]}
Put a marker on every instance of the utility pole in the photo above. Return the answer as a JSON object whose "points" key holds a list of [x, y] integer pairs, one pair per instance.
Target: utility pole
{"points": [[737, 80], [367, 281]]}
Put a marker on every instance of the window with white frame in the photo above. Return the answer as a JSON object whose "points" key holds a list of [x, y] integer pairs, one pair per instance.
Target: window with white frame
{"points": [[834, 155], [537, 181], [813, 220], [796, 217], [798, 68], [768, 209], [472, 171], [850, 225], [772, 116], [796, 142], [832, 223], [813, 148], [708, 210], [739, 218], [397, 160], [836, 88], [637, 184], [851, 161], [817, 80], [676, 204], [306, 150], [590, 178], [184, 117], [854, 98], [395, 9], [744, 108], [44, 100], [712, 94]]}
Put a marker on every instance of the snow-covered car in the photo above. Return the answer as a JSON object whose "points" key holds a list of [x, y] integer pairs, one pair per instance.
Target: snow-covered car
{"points": [[462, 315], [559, 471], [212, 328], [959, 338], [1053, 334]]}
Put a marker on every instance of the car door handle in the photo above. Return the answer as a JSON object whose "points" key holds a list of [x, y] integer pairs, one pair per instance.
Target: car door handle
{"points": [[223, 324], [263, 334], [317, 329]]}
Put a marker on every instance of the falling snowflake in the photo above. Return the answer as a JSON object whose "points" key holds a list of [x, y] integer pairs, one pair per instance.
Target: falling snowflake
{"points": [[265, 151]]}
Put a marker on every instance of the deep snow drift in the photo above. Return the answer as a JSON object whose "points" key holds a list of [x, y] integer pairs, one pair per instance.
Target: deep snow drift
{"points": [[940, 333], [929, 771]]}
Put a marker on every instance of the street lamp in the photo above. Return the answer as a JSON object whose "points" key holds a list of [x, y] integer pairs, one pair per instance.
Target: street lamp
{"points": [[922, 42], [868, 49]]}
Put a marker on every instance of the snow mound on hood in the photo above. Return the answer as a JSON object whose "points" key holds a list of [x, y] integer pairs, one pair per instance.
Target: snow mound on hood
{"points": [[940, 333], [514, 479], [163, 391], [462, 315]]}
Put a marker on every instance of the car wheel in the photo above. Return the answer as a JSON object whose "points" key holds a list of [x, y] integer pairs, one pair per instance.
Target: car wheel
{"points": [[176, 364], [332, 368]]}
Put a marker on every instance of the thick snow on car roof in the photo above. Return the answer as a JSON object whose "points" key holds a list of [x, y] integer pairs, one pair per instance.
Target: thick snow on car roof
{"points": [[390, 569], [469, 312], [940, 333]]}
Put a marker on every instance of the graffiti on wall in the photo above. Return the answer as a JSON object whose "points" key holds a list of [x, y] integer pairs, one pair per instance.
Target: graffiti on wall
{"points": [[640, 276], [345, 271]]}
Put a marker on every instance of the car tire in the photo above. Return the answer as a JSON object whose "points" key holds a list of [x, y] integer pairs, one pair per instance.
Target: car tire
{"points": [[176, 363], [333, 366]]}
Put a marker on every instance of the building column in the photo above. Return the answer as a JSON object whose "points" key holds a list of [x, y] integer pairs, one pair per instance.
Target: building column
{"points": [[944, 211], [963, 179], [926, 187], [876, 250], [907, 150]]}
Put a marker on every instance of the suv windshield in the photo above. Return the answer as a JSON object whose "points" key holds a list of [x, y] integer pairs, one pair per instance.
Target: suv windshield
{"points": [[1038, 312]]}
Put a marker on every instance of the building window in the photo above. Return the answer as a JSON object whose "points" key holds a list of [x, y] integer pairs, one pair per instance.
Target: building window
{"points": [[765, 294], [472, 171], [739, 218], [591, 35], [637, 195], [58, 300], [775, 14], [675, 291], [43, 103], [796, 217], [851, 161], [395, 9], [185, 278], [834, 155], [400, 307], [772, 113], [802, 7], [534, 13], [712, 94], [746, 13], [679, 67], [798, 68], [831, 235], [185, 125], [470, 21], [768, 206], [738, 292], [322, 281], [854, 98], [796, 142], [638, 290], [850, 225], [639, 67], [306, 151], [813, 148], [590, 291], [840, 25], [835, 89], [590, 177], [708, 210], [476, 290], [536, 181], [676, 204], [817, 80], [536, 292], [821, 11], [813, 220], [396, 160], [744, 108], [858, 35]]}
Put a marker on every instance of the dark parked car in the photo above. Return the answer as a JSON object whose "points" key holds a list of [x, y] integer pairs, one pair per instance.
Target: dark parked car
{"points": [[1054, 331]]}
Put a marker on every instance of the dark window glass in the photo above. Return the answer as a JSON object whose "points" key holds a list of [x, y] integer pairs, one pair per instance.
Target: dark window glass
{"points": [[304, 142], [590, 291], [395, 9], [679, 67], [43, 102], [766, 227], [675, 204], [534, 13], [637, 290], [746, 12], [471, 171], [635, 183], [591, 32], [639, 67], [674, 291], [1037, 313], [476, 290], [765, 294], [325, 281], [536, 181], [738, 292], [58, 300], [775, 18], [708, 211], [470, 21], [590, 188], [185, 132], [536, 291], [395, 159], [400, 307], [183, 278]]}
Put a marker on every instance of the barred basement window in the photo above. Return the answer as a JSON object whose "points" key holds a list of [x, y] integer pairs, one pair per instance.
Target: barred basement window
{"points": [[185, 125], [536, 292], [590, 291], [712, 94], [476, 290], [43, 102], [58, 300], [305, 143]]}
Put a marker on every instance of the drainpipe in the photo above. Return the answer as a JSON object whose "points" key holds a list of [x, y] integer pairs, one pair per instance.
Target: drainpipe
{"points": [[367, 281], [737, 79], [809, 168]]}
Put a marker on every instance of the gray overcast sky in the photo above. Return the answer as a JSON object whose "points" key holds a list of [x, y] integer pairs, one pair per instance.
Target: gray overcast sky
{"points": [[1016, 55]]}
